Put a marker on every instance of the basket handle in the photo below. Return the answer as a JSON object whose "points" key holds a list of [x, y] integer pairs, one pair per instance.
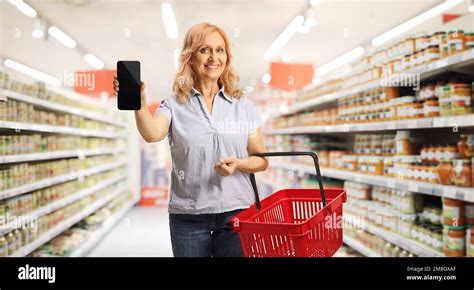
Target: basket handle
{"points": [[271, 154]]}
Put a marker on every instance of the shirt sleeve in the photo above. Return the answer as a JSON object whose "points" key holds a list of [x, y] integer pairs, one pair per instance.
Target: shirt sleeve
{"points": [[254, 116], [165, 109]]}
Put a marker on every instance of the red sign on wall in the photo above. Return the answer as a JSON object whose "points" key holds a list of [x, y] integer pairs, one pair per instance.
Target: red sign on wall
{"points": [[289, 76]]}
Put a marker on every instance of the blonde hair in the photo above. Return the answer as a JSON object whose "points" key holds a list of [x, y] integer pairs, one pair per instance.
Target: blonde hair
{"points": [[186, 77]]}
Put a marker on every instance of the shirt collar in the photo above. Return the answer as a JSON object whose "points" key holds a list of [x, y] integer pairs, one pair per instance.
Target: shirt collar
{"points": [[221, 93]]}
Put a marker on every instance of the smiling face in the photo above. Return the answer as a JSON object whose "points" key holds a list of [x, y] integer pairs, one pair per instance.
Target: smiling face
{"points": [[210, 59]]}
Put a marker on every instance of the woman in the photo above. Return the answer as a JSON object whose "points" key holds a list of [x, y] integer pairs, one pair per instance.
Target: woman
{"points": [[212, 131]]}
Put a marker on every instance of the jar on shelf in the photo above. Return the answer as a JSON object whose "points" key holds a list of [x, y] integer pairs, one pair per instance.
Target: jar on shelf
{"points": [[431, 107], [433, 53], [388, 166], [450, 152], [444, 48], [462, 172], [437, 38], [453, 212], [439, 153], [416, 110], [469, 40], [454, 241], [433, 173], [461, 98], [469, 213], [445, 101], [470, 242], [404, 143], [462, 146], [455, 41], [445, 171], [350, 162], [375, 165]]}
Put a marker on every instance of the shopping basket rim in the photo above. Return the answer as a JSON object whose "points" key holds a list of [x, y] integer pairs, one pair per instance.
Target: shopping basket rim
{"points": [[268, 207]]}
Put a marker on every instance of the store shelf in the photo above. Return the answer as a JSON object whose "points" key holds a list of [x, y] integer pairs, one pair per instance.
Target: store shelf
{"points": [[359, 247], [59, 107], [59, 179], [58, 129], [60, 203], [98, 235], [421, 123], [61, 227], [451, 63], [407, 244], [58, 154], [466, 194]]}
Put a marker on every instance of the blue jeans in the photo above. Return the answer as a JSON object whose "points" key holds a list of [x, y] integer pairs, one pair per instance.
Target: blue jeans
{"points": [[204, 235]]}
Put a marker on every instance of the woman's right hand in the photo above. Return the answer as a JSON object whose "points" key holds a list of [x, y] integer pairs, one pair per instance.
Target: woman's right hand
{"points": [[142, 91]]}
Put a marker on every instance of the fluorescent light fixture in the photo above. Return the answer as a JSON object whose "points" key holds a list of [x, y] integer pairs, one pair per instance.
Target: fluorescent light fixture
{"points": [[284, 36], [62, 37], [404, 27], [310, 20], [37, 33], [176, 54], [317, 81], [303, 29], [32, 72], [39, 28], [471, 6], [94, 61], [316, 2], [340, 61], [267, 78], [169, 20], [24, 8]]}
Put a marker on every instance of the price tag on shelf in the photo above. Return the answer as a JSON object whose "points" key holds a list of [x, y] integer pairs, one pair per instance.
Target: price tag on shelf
{"points": [[460, 195], [80, 154], [392, 125], [449, 191], [413, 187], [391, 183], [357, 178], [412, 124]]}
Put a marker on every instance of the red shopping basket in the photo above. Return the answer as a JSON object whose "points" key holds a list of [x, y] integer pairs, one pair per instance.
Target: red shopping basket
{"points": [[292, 222]]}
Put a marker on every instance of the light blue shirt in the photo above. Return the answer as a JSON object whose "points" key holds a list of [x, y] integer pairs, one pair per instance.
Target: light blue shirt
{"points": [[198, 140]]}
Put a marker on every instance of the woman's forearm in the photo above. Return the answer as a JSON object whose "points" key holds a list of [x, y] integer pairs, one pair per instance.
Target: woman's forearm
{"points": [[146, 125], [252, 164]]}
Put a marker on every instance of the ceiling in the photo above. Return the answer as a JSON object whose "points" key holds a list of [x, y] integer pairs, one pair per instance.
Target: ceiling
{"points": [[133, 29]]}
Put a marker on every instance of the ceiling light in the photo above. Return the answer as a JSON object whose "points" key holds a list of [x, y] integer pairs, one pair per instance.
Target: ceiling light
{"points": [[310, 20], [94, 61], [62, 37], [32, 72], [267, 78], [404, 27], [284, 36], [176, 54], [303, 29], [24, 8], [317, 81], [38, 32], [169, 20], [340, 61], [471, 6]]}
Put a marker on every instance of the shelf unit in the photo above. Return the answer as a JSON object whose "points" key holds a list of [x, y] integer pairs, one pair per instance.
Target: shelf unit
{"points": [[79, 153], [421, 123], [450, 63], [410, 245], [64, 225], [59, 179], [98, 235], [62, 203], [466, 194], [359, 247], [17, 126], [7, 94]]}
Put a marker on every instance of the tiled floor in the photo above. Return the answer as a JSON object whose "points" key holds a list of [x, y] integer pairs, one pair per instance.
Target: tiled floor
{"points": [[144, 232]]}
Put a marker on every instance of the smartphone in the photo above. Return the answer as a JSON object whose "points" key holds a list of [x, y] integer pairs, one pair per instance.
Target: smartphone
{"points": [[128, 76]]}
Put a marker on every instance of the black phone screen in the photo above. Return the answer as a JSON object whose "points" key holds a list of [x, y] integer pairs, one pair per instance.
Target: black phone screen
{"points": [[128, 76]]}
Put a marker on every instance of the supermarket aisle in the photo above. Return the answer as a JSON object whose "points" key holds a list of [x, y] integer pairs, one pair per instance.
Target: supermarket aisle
{"points": [[143, 232]]}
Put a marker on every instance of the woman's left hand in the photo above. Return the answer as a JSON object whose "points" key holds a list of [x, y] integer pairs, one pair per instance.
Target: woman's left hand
{"points": [[227, 165]]}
